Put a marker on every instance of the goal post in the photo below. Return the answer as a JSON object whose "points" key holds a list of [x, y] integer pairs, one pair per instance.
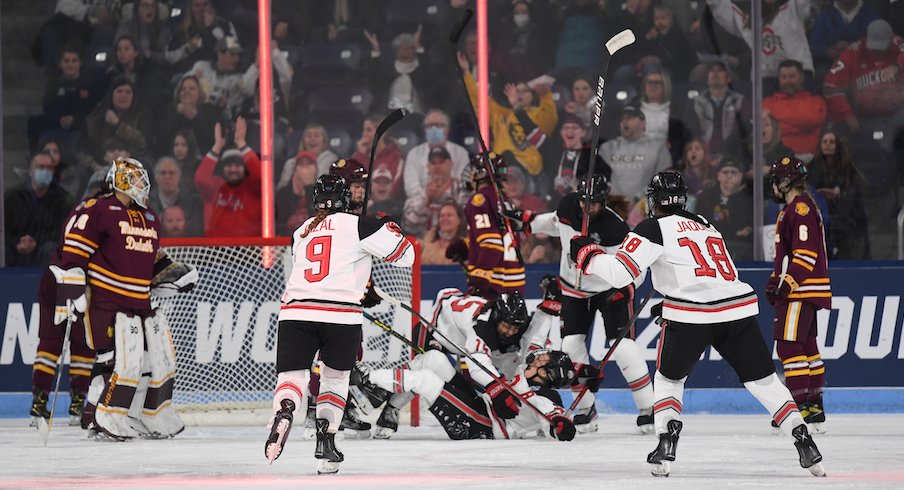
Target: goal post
{"points": [[224, 330]]}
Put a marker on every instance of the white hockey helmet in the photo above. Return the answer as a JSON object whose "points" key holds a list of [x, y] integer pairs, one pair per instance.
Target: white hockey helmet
{"points": [[131, 178]]}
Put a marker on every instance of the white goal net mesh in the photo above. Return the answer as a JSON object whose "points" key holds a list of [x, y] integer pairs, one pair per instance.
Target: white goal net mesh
{"points": [[224, 330]]}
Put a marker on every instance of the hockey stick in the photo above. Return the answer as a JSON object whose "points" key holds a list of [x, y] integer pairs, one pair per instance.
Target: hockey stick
{"points": [[453, 39], [375, 321], [471, 358], [781, 278], [622, 39], [44, 426], [621, 335], [393, 117]]}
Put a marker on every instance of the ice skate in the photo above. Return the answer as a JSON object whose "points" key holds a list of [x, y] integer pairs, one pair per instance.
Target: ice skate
{"points": [[326, 452], [664, 453], [76, 407], [279, 430], [367, 395], [645, 421], [810, 458], [38, 407], [388, 423], [585, 420], [310, 430], [816, 418], [352, 425]]}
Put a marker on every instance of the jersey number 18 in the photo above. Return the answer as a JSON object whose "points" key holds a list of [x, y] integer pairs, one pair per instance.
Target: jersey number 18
{"points": [[716, 248]]}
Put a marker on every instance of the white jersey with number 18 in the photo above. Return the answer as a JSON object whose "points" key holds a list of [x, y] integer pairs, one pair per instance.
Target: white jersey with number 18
{"points": [[690, 265], [332, 264]]}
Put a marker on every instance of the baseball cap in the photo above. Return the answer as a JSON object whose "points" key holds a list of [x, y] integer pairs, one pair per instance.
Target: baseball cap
{"points": [[439, 151], [730, 161], [228, 43], [878, 35], [633, 111], [232, 154], [382, 173], [305, 155]]}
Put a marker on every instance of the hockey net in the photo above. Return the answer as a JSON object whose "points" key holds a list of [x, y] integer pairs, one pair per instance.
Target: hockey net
{"points": [[224, 330]]}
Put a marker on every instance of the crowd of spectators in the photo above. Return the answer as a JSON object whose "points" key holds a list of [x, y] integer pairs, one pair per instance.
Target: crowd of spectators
{"points": [[175, 83]]}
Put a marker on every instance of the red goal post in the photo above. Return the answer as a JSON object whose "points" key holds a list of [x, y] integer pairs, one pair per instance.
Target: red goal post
{"points": [[224, 330]]}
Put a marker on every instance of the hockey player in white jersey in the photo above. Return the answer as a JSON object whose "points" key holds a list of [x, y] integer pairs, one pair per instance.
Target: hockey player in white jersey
{"points": [[705, 305], [581, 302], [499, 336], [321, 310]]}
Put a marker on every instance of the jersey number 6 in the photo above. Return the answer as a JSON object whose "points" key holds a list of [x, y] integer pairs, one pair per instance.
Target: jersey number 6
{"points": [[318, 252], [716, 248]]}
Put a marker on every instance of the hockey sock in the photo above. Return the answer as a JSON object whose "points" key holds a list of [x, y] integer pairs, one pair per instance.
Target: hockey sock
{"points": [[80, 371], [422, 382], [290, 385], [669, 396], [576, 348], [797, 369], [634, 369], [776, 398], [44, 370], [817, 371], [333, 393]]}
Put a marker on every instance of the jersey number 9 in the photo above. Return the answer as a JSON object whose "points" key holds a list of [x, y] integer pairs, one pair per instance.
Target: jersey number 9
{"points": [[318, 252]]}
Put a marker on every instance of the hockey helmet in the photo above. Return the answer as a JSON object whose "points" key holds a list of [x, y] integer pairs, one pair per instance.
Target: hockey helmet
{"points": [[476, 171], [559, 369], [667, 190], [510, 308], [331, 193], [131, 178], [598, 186], [785, 174], [350, 169]]}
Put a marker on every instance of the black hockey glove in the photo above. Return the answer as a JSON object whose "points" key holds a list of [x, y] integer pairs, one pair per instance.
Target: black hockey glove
{"points": [[520, 219], [552, 295], [656, 312], [457, 251], [561, 428], [584, 248], [371, 298], [589, 376], [505, 404]]}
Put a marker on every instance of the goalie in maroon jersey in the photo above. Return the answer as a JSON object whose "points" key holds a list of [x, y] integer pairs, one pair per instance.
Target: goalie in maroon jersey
{"points": [[798, 287]]}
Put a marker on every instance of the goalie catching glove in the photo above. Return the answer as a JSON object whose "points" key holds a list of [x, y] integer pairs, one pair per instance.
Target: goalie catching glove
{"points": [[505, 404], [175, 278], [583, 249], [70, 298]]}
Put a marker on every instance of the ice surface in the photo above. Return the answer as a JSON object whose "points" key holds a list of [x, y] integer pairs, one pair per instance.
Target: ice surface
{"points": [[726, 451]]}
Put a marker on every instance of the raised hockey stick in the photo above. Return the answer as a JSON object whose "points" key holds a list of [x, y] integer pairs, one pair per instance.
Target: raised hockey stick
{"points": [[429, 325], [621, 335], [393, 117], [44, 426], [781, 278], [615, 43], [409, 343], [453, 39]]}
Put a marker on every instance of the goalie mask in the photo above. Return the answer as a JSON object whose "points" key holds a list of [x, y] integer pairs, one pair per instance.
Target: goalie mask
{"points": [[787, 173], [557, 372], [666, 191], [511, 309], [331, 193], [131, 179], [476, 171]]}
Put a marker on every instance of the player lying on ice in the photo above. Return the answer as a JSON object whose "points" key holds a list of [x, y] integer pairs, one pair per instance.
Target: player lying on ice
{"points": [[500, 336], [705, 305]]}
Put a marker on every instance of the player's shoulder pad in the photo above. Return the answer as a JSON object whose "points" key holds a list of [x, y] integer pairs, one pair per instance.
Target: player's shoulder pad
{"points": [[611, 228], [367, 226], [569, 212], [649, 229]]}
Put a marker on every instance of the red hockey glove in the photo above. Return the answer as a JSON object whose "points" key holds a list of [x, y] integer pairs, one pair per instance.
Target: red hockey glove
{"points": [[561, 428], [583, 248], [552, 295], [505, 404], [588, 375]]}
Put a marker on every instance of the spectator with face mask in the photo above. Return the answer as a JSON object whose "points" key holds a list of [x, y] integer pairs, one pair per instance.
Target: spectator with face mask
{"points": [[422, 207], [34, 214], [436, 135]]}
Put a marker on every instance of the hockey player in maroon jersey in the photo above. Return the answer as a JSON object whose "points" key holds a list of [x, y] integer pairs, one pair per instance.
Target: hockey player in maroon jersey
{"points": [[356, 175], [113, 246], [322, 311], [798, 287], [705, 305], [580, 304], [494, 263]]}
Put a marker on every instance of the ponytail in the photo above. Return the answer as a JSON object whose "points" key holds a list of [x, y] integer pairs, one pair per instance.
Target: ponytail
{"points": [[321, 215]]}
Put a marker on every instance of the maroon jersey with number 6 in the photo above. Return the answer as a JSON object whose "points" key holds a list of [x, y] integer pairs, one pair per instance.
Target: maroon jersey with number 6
{"points": [[799, 236]]}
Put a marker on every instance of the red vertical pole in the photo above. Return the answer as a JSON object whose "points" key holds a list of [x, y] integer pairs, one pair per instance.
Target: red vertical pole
{"points": [[268, 227], [483, 72]]}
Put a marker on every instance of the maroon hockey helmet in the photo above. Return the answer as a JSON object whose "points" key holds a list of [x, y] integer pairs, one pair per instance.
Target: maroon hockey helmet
{"points": [[476, 171], [785, 174], [350, 169]]}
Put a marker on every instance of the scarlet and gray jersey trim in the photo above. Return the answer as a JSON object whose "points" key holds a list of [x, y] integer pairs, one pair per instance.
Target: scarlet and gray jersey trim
{"points": [[319, 305], [711, 307]]}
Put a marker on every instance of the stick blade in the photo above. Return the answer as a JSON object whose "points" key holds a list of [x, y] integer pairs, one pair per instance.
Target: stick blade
{"points": [[620, 40], [455, 35], [43, 429]]}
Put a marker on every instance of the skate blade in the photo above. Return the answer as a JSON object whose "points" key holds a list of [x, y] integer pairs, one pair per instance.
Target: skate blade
{"points": [[646, 429], [325, 467], [586, 428], [43, 429], [817, 470], [275, 446], [383, 433], [75, 420], [660, 469], [817, 428]]}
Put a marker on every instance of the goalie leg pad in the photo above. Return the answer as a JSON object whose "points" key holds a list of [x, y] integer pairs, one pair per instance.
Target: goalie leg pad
{"points": [[113, 408], [776, 398], [157, 413], [463, 415], [634, 368], [436, 361]]}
